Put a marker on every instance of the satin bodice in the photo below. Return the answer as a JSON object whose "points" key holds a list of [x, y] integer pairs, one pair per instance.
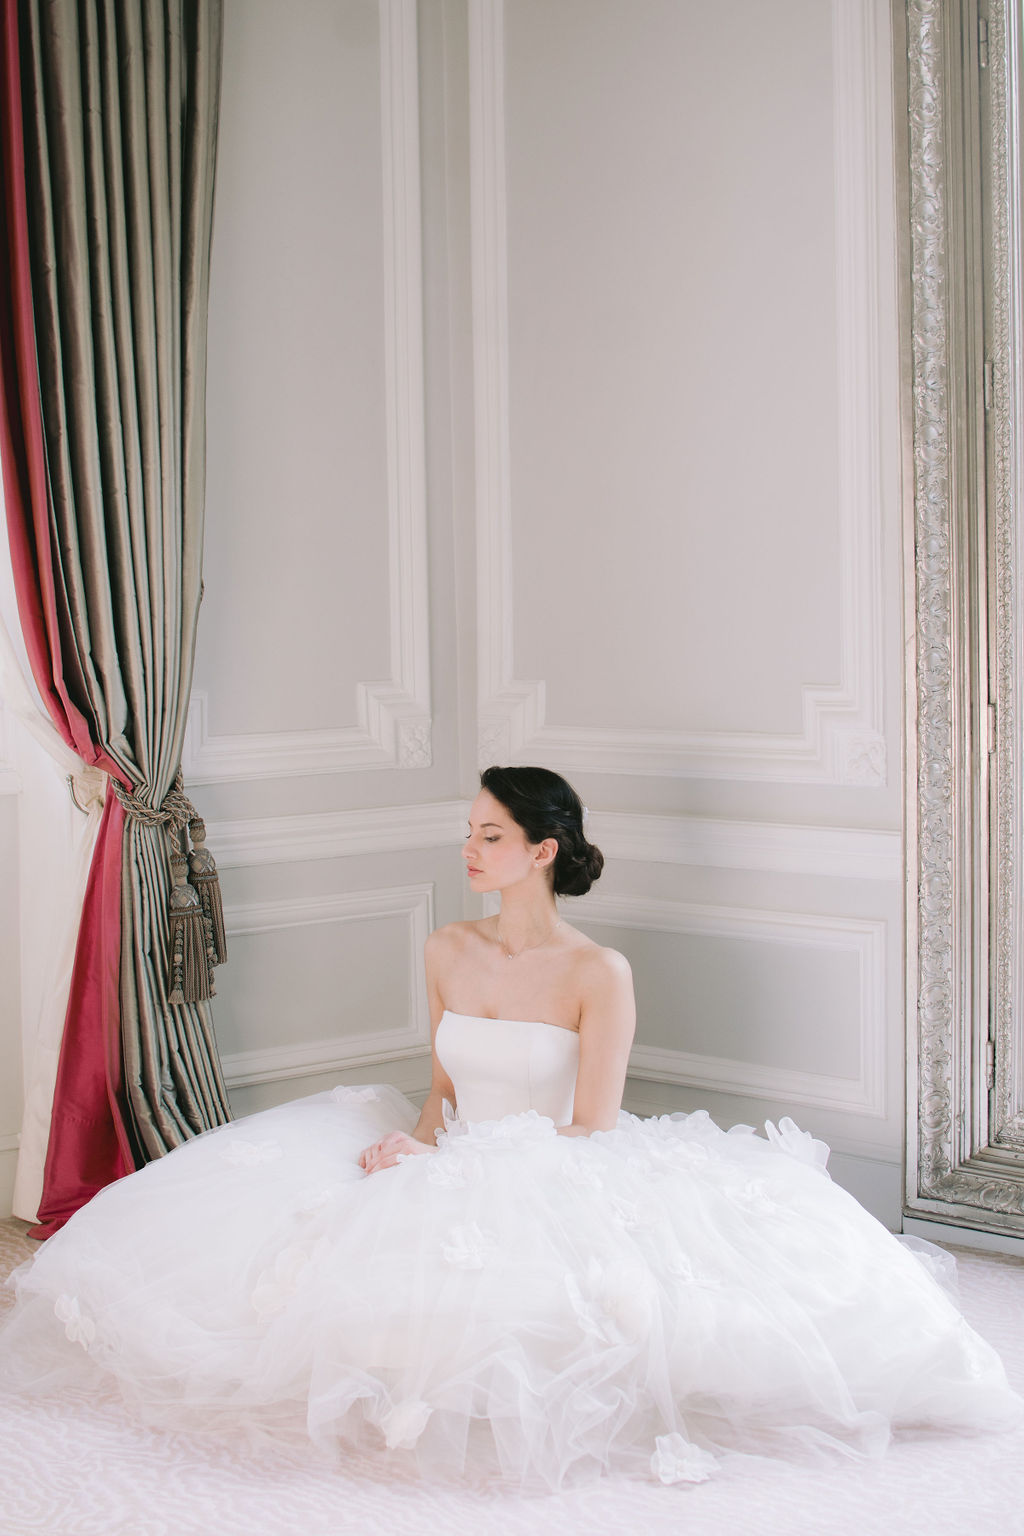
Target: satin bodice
{"points": [[503, 1067]]}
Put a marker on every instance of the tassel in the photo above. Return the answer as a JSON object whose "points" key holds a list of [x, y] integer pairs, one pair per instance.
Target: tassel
{"points": [[203, 874], [192, 955]]}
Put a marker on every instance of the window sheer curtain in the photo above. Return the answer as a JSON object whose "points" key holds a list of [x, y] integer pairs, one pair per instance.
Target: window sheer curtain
{"points": [[58, 841], [109, 120]]}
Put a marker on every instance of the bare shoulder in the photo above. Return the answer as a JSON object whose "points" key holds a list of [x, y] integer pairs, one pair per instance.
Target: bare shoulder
{"points": [[451, 937], [601, 968], [607, 999]]}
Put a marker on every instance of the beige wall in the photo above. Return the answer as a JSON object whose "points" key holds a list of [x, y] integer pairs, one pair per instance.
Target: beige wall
{"points": [[553, 417]]}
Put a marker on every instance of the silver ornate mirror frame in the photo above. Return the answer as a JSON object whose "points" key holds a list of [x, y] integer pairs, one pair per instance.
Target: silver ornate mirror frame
{"points": [[964, 559]]}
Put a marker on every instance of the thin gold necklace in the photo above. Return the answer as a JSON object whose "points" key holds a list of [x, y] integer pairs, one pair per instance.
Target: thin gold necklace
{"points": [[539, 944]]}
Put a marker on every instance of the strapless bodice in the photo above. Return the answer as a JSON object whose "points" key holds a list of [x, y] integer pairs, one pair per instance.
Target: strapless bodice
{"points": [[503, 1066]]}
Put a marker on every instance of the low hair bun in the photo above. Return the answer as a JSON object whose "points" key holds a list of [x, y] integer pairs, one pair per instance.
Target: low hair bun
{"points": [[576, 871], [546, 805]]}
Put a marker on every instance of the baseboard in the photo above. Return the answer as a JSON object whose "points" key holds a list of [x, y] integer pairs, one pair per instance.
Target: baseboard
{"points": [[963, 1237], [8, 1165]]}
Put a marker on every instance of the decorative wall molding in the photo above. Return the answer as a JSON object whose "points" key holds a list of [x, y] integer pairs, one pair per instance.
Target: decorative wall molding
{"points": [[338, 834], [842, 853], [841, 739], [413, 903], [393, 726], [863, 1096]]}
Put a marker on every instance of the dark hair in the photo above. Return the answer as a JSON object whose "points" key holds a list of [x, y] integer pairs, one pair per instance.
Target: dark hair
{"points": [[545, 805]]}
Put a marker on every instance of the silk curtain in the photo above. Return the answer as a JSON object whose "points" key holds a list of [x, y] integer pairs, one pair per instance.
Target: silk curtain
{"points": [[109, 120]]}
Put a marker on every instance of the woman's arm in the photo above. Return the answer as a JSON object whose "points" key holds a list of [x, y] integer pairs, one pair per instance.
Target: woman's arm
{"points": [[607, 1026], [385, 1153], [441, 1087]]}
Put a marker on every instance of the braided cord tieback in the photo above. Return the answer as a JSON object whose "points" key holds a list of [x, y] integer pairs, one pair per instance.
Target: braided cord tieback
{"points": [[198, 940]]}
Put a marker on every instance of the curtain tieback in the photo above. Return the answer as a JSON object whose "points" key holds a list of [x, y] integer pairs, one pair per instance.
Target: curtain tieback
{"points": [[198, 940]]}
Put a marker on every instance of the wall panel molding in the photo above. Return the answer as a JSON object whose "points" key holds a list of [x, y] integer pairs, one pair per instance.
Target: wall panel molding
{"points": [[841, 853], [337, 834], [841, 740], [393, 716], [864, 1095], [412, 903]]}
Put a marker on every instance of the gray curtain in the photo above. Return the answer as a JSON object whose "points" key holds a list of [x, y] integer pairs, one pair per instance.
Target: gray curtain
{"points": [[120, 112]]}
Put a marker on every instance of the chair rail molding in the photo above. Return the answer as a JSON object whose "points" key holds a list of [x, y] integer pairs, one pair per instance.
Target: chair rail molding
{"points": [[413, 903], [393, 716], [842, 738], [835, 853]]}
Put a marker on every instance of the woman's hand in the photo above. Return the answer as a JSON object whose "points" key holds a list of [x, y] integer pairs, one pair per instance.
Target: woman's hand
{"points": [[385, 1154]]}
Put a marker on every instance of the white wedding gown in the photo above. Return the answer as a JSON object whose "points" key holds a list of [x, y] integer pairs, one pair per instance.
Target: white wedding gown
{"points": [[649, 1299]]}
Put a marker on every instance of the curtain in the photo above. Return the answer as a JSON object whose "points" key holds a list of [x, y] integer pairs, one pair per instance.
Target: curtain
{"points": [[109, 141], [57, 831]]}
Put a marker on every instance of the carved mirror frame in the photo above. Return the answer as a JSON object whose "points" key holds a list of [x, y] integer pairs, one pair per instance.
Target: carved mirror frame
{"points": [[964, 565]]}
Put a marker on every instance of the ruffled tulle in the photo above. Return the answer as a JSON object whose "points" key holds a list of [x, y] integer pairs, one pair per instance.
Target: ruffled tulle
{"points": [[648, 1300]]}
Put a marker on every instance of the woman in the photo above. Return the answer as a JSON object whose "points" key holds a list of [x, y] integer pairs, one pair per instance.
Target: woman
{"points": [[526, 841], [520, 1278]]}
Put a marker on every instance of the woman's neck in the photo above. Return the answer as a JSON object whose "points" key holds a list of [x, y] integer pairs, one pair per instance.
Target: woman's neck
{"points": [[527, 916]]}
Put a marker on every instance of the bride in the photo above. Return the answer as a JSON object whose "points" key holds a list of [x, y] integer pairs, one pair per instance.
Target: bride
{"points": [[526, 841], [521, 1278]]}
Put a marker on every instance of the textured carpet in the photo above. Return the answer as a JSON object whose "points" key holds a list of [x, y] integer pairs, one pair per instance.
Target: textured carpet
{"points": [[77, 1467]]}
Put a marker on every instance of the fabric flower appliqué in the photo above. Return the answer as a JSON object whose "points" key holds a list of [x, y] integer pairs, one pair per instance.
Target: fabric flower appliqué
{"points": [[468, 1247], [582, 1171], [680, 1267], [675, 1460], [275, 1286], [251, 1154], [345, 1095], [510, 1131], [752, 1195], [631, 1214], [309, 1201], [79, 1328], [788, 1137], [612, 1303], [450, 1170]]}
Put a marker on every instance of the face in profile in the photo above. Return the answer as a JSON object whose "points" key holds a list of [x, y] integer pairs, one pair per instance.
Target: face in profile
{"points": [[496, 852]]}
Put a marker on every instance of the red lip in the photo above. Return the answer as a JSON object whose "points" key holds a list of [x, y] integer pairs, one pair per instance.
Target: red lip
{"points": [[471, 871]]}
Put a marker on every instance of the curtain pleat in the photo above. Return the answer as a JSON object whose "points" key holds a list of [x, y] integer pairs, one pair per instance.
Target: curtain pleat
{"points": [[120, 102]]}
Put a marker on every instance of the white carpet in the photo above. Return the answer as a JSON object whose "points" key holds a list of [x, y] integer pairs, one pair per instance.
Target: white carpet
{"points": [[78, 1467]]}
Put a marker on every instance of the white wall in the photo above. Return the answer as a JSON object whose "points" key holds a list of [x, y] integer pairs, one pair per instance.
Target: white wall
{"points": [[553, 417], [688, 515], [10, 998]]}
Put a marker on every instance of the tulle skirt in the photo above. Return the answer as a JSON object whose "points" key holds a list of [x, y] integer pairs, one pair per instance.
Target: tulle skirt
{"points": [[650, 1300]]}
